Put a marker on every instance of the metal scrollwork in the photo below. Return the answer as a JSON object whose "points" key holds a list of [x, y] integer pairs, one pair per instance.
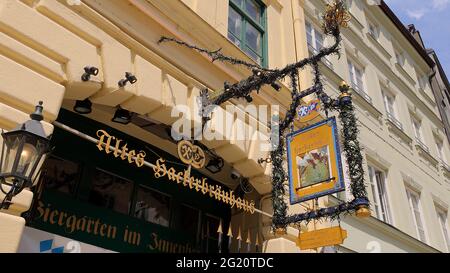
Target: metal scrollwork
{"points": [[191, 154]]}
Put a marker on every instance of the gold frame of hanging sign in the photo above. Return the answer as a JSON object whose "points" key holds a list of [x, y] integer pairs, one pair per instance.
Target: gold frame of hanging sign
{"points": [[321, 237]]}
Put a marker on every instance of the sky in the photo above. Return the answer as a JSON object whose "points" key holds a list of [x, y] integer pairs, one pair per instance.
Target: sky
{"points": [[432, 19]]}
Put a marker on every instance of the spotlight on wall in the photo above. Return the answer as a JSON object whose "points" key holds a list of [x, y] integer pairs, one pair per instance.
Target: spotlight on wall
{"points": [[83, 106], [215, 165], [122, 116], [128, 78], [88, 72]]}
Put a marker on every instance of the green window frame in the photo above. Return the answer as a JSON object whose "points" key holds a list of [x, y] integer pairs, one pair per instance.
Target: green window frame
{"points": [[246, 25]]}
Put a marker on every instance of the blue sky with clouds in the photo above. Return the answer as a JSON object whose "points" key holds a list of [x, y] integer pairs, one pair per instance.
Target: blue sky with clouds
{"points": [[432, 19]]}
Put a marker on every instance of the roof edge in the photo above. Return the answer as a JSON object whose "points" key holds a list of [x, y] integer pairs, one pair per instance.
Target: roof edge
{"points": [[396, 21]]}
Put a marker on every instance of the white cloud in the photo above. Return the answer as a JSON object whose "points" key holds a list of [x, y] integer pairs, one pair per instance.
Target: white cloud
{"points": [[416, 14], [440, 4]]}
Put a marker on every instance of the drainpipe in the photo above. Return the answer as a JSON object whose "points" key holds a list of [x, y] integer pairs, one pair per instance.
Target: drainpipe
{"points": [[300, 44]]}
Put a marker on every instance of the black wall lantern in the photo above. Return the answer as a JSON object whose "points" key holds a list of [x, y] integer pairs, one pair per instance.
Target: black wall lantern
{"points": [[22, 150]]}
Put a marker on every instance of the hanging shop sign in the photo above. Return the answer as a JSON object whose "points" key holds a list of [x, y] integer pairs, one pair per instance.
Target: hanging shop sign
{"points": [[321, 237], [190, 154], [314, 162], [308, 112]]}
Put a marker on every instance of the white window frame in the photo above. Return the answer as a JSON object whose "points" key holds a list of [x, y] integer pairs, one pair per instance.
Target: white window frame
{"points": [[410, 193], [352, 69], [443, 222], [312, 43], [392, 114], [377, 179], [440, 150], [417, 127], [315, 33], [400, 58], [422, 81], [374, 30]]}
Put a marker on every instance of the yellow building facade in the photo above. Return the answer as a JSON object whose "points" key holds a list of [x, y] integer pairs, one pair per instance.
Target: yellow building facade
{"points": [[46, 44]]}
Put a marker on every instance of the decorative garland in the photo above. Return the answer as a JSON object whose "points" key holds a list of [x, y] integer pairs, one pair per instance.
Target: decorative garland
{"points": [[335, 16]]}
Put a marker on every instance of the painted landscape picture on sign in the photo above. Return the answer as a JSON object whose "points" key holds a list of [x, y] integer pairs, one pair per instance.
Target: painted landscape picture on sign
{"points": [[314, 160], [314, 167]]}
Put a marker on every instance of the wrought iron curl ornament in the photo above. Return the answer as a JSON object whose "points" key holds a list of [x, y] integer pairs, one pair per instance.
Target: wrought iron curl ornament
{"points": [[335, 16]]}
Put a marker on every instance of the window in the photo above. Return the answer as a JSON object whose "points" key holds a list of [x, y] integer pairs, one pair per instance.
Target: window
{"points": [[246, 27], [377, 180], [189, 218], [389, 104], [423, 82], [110, 191], [315, 42], [210, 237], [414, 205], [60, 175], [356, 77], [440, 150], [374, 31], [313, 37], [417, 126], [152, 206], [442, 216], [400, 58]]}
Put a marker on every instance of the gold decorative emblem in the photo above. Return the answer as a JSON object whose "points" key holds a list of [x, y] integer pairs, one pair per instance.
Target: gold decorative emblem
{"points": [[336, 15], [191, 154]]}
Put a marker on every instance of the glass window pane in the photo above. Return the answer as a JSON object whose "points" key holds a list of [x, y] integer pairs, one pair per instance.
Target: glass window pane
{"points": [[390, 104], [352, 74], [383, 196], [189, 220], [319, 40], [234, 39], [209, 233], [443, 220], [309, 38], [152, 206], [12, 145], [253, 38], [308, 28], [358, 76], [253, 55], [60, 175], [440, 149], [110, 191], [238, 2], [253, 9], [417, 129], [234, 23]]}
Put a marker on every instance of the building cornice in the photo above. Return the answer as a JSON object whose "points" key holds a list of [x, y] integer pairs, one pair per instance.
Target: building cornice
{"points": [[404, 31]]}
